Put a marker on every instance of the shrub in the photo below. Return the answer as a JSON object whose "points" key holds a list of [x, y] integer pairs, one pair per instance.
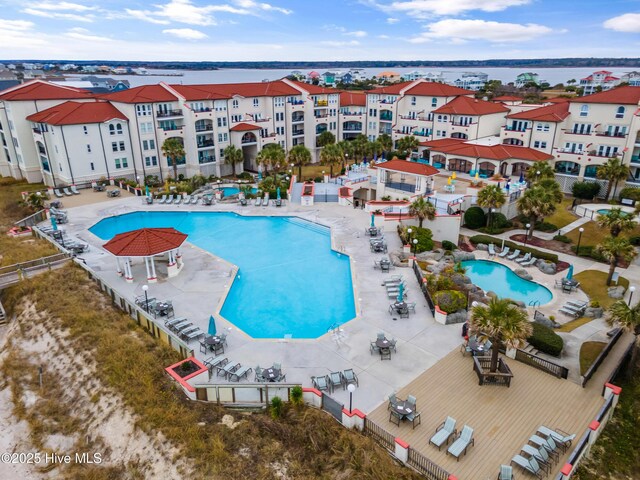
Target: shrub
{"points": [[474, 217], [499, 220], [424, 236], [634, 240], [296, 395], [552, 257], [546, 227], [590, 251], [630, 193], [585, 190], [276, 407], [245, 176], [546, 340], [450, 301], [447, 245], [594, 304], [386, 198], [318, 179], [562, 238]]}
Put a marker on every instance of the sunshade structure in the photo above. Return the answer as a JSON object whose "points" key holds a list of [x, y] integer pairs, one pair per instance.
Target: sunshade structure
{"points": [[147, 243]]}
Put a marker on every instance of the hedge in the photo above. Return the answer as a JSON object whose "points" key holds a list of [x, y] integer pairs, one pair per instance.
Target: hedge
{"points": [[474, 217], [585, 190], [546, 340], [552, 257], [630, 193], [450, 301], [447, 245]]}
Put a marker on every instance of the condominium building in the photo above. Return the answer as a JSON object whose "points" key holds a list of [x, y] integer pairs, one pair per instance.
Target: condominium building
{"points": [[471, 80], [602, 78]]}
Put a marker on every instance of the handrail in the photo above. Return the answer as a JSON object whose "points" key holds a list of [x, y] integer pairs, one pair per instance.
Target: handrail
{"points": [[33, 219], [600, 358], [33, 263], [542, 364]]}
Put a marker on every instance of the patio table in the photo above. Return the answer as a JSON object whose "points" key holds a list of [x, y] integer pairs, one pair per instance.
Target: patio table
{"points": [[211, 341], [271, 374], [476, 347], [383, 343], [402, 408]]}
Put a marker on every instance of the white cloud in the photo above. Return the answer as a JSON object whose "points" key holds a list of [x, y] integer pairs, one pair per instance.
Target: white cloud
{"points": [[629, 22], [62, 16], [391, 20], [357, 33], [384, 37], [144, 16], [457, 30], [185, 33], [85, 35], [450, 7], [75, 7], [15, 25], [262, 6], [331, 43]]}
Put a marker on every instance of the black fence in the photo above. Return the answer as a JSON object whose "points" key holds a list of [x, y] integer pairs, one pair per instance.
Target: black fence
{"points": [[542, 364], [423, 286], [380, 435], [603, 354], [426, 467], [624, 362], [332, 406], [605, 409]]}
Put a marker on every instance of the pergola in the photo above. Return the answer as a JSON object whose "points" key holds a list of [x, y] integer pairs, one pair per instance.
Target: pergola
{"points": [[147, 243]]}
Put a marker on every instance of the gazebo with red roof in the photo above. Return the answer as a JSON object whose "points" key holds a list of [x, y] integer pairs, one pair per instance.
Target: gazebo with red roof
{"points": [[147, 243], [404, 179]]}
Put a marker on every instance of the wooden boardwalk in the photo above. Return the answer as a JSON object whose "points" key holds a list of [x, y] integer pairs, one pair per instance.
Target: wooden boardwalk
{"points": [[503, 418]]}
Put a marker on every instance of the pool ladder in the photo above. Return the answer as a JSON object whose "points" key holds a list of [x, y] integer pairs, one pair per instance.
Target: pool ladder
{"points": [[534, 303]]}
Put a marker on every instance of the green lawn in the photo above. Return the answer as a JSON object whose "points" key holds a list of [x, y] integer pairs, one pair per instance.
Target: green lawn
{"points": [[589, 351], [563, 215], [573, 324], [593, 234], [593, 283]]}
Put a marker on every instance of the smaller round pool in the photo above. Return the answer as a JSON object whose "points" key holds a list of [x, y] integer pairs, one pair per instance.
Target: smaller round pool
{"points": [[495, 277], [607, 211], [228, 191]]}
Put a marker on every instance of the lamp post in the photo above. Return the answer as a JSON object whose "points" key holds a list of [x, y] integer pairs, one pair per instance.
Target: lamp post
{"points": [[146, 297], [580, 230], [409, 232], [415, 246], [351, 388], [526, 236], [631, 290]]}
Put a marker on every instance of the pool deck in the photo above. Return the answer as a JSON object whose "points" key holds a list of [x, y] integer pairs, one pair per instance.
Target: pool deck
{"points": [[199, 289]]}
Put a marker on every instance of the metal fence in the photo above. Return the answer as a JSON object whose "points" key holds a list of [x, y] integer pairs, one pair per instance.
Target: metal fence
{"points": [[542, 364], [380, 435], [332, 406], [426, 467], [603, 354], [325, 197], [250, 395], [423, 286], [32, 220]]}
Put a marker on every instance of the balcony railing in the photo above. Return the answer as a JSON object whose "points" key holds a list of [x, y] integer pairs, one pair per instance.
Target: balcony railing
{"points": [[318, 115], [574, 132], [206, 128], [611, 134], [405, 187], [171, 128], [352, 129], [202, 110], [423, 133], [296, 133], [386, 118], [386, 101], [296, 102], [205, 144], [297, 119], [459, 124], [207, 159], [509, 128], [169, 113], [37, 130], [635, 159], [321, 103], [349, 114]]}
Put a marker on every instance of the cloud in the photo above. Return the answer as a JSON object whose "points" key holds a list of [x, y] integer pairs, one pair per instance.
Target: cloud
{"points": [[85, 35], [15, 25], [62, 16], [391, 20], [449, 7], [384, 37], [331, 43], [185, 33], [52, 6], [628, 23], [262, 6], [458, 30], [144, 16], [357, 33]]}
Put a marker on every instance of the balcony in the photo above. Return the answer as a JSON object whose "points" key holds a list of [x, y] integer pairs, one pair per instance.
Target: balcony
{"points": [[320, 115], [351, 114], [572, 132], [635, 159], [205, 144], [510, 128], [460, 124], [421, 133], [295, 102], [202, 110], [387, 101], [402, 186], [386, 117], [352, 129], [611, 134], [206, 128], [169, 113], [171, 128], [37, 130], [321, 104], [297, 133], [297, 118], [206, 159]]}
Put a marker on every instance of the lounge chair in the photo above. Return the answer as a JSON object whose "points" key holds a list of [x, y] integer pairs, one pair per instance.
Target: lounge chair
{"points": [[561, 438], [74, 190], [503, 254], [196, 334], [350, 377], [393, 400], [178, 200], [213, 362], [239, 373], [525, 258], [194, 199], [529, 263], [492, 250], [57, 193], [173, 321], [506, 473], [460, 445], [278, 202], [444, 432], [514, 255], [187, 199], [265, 200], [392, 279], [336, 379], [243, 202], [258, 201], [228, 369], [540, 454], [169, 199], [414, 418], [548, 443], [530, 465], [67, 192], [320, 383], [162, 199]]}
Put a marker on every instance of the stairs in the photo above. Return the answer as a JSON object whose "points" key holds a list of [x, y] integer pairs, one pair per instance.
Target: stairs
{"points": [[3, 315], [529, 349]]}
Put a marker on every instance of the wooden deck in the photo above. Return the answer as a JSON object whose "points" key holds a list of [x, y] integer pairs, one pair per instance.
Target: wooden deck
{"points": [[503, 418]]}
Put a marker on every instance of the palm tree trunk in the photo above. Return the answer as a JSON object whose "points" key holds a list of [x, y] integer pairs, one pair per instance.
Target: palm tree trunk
{"points": [[609, 185], [494, 355], [420, 220], [612, 268], [233, 166], [534, 220], [300, 170], [174, 164]]}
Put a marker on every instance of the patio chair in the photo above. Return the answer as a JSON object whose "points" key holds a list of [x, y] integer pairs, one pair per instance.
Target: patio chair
{"points": [[350, 377], [335, 379], [414, 418], [385, 353], [561, 438], [239, 373], [177, 200], [506, 473], [392, 342], [276, 366], [530, 465], [74, 190], [320, 383], [525, 258], [203, 347], [548, 443], [380, 336], [373, 348], [492, 250], [532, 261], [412, 307], [258, 201], [223, 339], [504, 252], [258, 372], [67, 192], [243, 202], [395, 417], [486, 348], [392, 401], [218, 349], [465, 348], [444, 431], [194, 199], [540, 454], [187, 199], [514, 255], [460, 444], [412, 401], [57, 193], [169, 199], [163, 199], [265, 200], [228, 369]]}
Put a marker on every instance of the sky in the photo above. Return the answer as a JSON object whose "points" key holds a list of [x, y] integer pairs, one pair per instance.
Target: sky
{"points": [[305, 30]]}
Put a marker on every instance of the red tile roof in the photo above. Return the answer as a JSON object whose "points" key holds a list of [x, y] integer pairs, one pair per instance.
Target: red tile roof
{"points": [[507, 98], [41, 90], [556, 112], [353, 98], [145, 242], [470, 106], [442, 142], [228, 90], [557, 100], [142, 94], [75, 113], [314, 89], [422, 87], [493, 152], [626, 95], [244, 127], [413, 168]]}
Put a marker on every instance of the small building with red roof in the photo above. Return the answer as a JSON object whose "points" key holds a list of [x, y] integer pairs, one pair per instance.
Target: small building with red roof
{"points": [[468, 118], [404, 179]]}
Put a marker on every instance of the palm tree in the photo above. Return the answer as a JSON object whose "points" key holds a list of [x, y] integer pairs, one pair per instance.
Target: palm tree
{"points": [[376, 148], [299, 155], [331, 155], [233, 156], [407, 144], [326, 138], [386, 141], [539, 202], [360, 146], [613, 171], [502, 322], [173, 149], [617, 221], [613, 250], [491, 197], [422, 209], [540, 171], [347, 150], [272, 155], [628, 318]]}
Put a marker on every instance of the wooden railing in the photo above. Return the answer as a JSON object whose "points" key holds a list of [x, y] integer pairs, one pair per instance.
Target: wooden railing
{"points": [[32, 220], [603, 354], [502, 376], [380, 435], [426, 467], [542, 364]]}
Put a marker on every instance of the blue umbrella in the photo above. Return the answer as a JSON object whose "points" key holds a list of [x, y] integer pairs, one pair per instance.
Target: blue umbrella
{"points": [[521, 177], [54, 224], [375, 157], [212, 325], [401, 293], [570, 272], [259, 174], [147, 191], [278, 193], [373, 220]]}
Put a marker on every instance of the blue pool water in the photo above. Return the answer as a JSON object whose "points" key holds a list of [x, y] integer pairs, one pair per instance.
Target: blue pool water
{"points": [[228, 191], [607, 211], [289, 280], [506, 284]]}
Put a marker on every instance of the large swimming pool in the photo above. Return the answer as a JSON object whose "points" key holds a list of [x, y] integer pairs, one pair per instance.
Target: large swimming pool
{"points": [[228, 191], [289, 281], [495, 277]]}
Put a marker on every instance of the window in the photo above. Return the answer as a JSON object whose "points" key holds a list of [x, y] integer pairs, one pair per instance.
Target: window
{"points": [[234, 104], [145, 127], [373, 112], [122, 147], [92, 167], [88, 148], [148, 144], [278, 102], [114, 146], [434, 102], [280, 130], [264, 132], [539, 144], [143, 110], [279, 116], [222, 153], [413, 100], [117, 160], [223, 137], [584, 110], [620, 112], [256, 102], [84, 129], [222, 122], [542, 127], [151, 161], [236, 118]]}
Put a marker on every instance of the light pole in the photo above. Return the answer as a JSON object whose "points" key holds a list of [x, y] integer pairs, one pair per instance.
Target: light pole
{"points": [[409, 232], [351, 388], [146, 297], [631, 290], [580, 230], [415, 246], [528, 225]]}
